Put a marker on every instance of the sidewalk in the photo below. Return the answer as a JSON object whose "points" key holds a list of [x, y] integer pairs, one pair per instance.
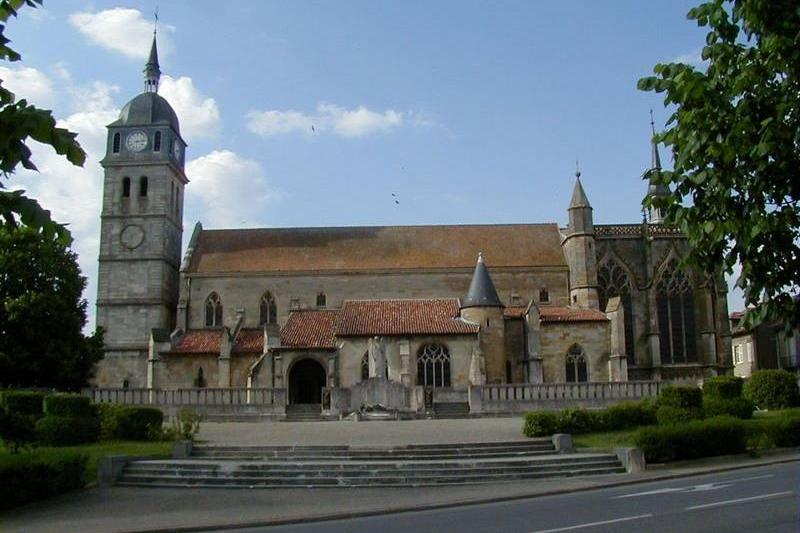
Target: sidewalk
{"points": [[123, 509]]}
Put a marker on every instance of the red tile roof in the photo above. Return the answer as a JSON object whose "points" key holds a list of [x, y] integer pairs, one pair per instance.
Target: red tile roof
{"points": [[402, 317], [570, 314], [515, 311], [205, 341], [310, 329], [376, 248]]}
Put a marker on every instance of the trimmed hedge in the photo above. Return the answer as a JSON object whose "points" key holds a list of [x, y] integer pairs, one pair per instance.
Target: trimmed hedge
{"points": [[540, 424], [667, 415], [28, 477], [139, 423], [772, 389], [69, 405], [723, 387], [628, 415], [575, 420], [27, 403], [108, 413], [681, 397], [16, 430], [784, 430], [67, 431], [691, 440], [736, 407]]}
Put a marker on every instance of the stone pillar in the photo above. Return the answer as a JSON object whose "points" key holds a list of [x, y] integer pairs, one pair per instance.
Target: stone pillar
{"points": [[224, 359], [533, 333], [653, 337], [535, 370], [332, 377], [376, 348], [617, 360], [477, 367], [277, 360]]}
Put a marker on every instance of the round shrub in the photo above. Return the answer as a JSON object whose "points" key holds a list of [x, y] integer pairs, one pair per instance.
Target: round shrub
{"points": [[540, 424], [16, 430], [667, 415], [682, 397], [772, 389], [699, 438], [139, 423], [736, 407], [576, 420], [725, 387], [24, 403], [108, 419], [69, 405], [67, 431]]}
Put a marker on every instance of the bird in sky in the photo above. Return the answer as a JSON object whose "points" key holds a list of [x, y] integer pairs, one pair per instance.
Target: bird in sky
{"points": [[312, 129]]}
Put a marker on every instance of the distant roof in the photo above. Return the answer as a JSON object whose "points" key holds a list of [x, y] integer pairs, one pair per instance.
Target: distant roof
{"points": [[481, 289], [310, 329], [515, 311], [207, 341], [570, 314], [402, 317], [375, 248]]}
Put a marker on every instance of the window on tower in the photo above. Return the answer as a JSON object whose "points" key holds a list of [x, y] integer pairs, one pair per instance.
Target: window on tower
{"points": [[115, 143], [213, 311], [157, 142], [544, 296], [143, 186], [321, 300], [126, 187]]}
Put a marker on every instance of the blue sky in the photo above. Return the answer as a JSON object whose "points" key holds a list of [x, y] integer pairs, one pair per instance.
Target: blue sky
{"points": [[470, 112]]}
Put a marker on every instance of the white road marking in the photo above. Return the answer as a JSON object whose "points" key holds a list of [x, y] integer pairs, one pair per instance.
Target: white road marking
{"points": [[740, 500], [693, 488], [592, 524]]}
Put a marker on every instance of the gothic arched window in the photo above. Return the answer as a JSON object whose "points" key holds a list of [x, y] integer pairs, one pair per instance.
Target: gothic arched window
{"points": [[433, 366], [676, 321], [143, 186], [268, 310], [157, 142], [213, 311], [126, 187], [576, 364], [614, 281], [115, 143], [199, 380]]}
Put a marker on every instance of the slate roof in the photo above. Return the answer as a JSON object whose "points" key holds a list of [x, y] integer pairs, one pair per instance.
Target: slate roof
{"points": [[570, 314], [207, 341], [481, 289], [402, 317], [375, 248], [310, 329]]}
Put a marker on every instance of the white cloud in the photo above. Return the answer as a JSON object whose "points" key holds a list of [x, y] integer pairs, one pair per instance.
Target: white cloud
{"points": [[328, 118], [29, 83], [229, 190], [198, 113], [122, 30]]}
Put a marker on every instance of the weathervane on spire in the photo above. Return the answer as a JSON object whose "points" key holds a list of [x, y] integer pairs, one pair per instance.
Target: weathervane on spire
{"points": [[652, 122], [155, 23], [577, 168]]}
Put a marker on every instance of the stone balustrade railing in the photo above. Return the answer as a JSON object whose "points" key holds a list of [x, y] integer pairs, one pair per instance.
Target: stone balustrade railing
{"points": [[526, 396], [257, 397]]}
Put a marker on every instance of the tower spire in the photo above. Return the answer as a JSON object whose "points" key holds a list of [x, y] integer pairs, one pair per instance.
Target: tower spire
{"points": [[654, 187], [152, 71]]}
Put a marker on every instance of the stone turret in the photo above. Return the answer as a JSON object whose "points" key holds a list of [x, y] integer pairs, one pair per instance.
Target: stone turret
{"points": [[482, 306], [579, 250]]}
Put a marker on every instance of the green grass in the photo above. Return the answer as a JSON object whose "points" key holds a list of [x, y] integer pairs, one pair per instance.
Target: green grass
{"points": [[99, 450]]}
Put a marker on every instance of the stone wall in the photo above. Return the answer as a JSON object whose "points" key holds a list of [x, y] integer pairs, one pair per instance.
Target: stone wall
{"points": [[556, 339]]}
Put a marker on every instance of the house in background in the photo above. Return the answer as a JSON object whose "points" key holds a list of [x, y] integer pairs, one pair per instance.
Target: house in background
{"points": [[765, 346]]}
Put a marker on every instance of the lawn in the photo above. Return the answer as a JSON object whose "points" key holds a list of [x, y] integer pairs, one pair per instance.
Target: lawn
{"points": [[99, 450]]}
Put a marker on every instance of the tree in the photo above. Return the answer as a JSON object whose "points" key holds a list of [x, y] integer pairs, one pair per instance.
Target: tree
{"points": [[42, 314], [734, 132], [19, 122]]}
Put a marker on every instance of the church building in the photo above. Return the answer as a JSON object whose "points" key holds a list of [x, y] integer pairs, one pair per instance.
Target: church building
{"points": [[435, 308]]}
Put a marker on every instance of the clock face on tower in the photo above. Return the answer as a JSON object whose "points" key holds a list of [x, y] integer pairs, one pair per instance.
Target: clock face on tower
{"points": [[136, 141]]}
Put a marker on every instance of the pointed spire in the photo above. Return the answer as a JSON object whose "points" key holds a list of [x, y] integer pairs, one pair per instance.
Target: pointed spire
{"points": [[579, 198], [655, 189], [481, 289], [656, 156], [152, 71]]}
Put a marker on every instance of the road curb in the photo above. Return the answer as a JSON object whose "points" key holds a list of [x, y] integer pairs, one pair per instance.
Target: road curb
{"points": [[461, 503]]}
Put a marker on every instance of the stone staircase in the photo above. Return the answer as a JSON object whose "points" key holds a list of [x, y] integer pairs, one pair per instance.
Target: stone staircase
{"points": [[349, 466], [451, 410], [304, 412]]}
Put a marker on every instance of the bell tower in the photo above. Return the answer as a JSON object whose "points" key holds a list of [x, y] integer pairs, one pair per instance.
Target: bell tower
{"points": [[140, 230]]}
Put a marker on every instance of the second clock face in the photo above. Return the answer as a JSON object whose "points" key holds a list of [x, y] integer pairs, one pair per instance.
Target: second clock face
{"points": [[136, 141]]}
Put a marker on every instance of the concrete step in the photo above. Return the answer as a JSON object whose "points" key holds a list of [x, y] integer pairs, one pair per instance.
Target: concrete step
{"points": [[451, 410], [304, 412]]}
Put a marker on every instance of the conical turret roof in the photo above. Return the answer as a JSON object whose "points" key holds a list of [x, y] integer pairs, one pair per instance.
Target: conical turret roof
{"points": [[481, 289], [579, 198]]}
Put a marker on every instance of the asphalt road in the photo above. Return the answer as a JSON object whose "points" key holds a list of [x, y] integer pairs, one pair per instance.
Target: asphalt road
{"points": [[763, 499]]}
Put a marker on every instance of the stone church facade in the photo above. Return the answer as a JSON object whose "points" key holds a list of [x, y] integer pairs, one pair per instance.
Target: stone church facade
{"points": [[439, 308]]}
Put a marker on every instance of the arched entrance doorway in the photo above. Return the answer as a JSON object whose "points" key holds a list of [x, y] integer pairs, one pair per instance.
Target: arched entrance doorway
{"points": [[306, 380]]}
